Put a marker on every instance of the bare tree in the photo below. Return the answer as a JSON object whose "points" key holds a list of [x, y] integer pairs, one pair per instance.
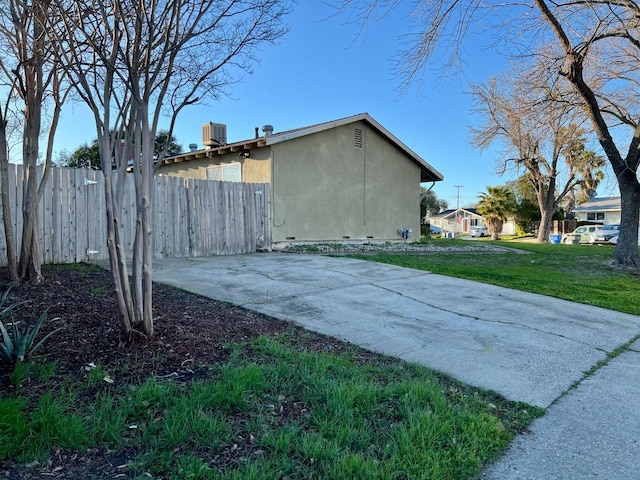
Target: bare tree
{"points": [[594, 45], [33, 82], [541, 138], [135, 63]]}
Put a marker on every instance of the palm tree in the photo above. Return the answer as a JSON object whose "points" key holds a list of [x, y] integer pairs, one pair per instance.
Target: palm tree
{"points": [[495, 206]]}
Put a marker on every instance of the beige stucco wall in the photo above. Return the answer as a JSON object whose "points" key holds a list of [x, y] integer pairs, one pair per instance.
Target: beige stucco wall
{"points": [[326, 188], [255, 169]]}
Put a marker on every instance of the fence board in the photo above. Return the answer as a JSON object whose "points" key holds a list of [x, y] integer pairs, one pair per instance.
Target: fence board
{"points": [[190, 217]]}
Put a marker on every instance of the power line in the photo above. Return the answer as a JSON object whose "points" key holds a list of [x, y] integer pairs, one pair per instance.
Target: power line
{"points": [[458, 201], [455, 228]]}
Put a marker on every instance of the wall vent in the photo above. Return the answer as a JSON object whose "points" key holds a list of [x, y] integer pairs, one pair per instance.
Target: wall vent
{"points": [[358, 137], [214, 134]]}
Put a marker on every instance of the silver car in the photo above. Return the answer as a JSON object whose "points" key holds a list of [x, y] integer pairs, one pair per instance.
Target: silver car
{"points": [[605, 234], [614, 239]]}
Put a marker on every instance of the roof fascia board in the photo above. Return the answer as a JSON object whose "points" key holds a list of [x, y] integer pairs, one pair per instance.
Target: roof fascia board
{"points": [[364, 117]]}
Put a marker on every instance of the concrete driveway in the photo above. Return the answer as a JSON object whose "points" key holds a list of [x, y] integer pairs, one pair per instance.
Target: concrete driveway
{"points": [[527, 347]]}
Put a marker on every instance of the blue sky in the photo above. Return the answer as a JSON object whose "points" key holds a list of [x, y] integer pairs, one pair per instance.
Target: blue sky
{"points": [[323, 70]]}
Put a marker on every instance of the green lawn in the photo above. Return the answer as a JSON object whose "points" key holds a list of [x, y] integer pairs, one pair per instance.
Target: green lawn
{"points": [[292, 413], [572, 272]]}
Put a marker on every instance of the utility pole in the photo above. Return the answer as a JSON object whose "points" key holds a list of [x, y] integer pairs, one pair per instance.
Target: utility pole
{"points": [[455, 228]]}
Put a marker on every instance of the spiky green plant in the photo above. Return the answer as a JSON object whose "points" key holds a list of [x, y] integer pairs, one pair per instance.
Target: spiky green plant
{"points": [[18, 342]]}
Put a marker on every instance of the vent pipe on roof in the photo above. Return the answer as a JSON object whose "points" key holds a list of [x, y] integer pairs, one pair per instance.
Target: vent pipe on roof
{"points": [[257, 134], [193, 147], [268, 130]]}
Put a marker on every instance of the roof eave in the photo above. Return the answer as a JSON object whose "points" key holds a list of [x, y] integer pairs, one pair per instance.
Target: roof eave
{"points": [[427, 172], [216, 151]]}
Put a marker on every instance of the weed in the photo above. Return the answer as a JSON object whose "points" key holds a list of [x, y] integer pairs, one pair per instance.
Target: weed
{"points": [[98, 291], [97, 374]]}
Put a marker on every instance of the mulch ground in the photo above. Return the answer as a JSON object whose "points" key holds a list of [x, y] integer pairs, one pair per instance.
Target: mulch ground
{"points": [[191, 331]]}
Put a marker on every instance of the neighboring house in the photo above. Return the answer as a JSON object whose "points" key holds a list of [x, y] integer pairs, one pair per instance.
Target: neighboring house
{"points": [[457, 220], [599, 209], [461, 220], [348, 179]]}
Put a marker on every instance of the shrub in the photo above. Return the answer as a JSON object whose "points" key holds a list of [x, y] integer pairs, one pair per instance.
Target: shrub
{"points": [[17, 341]]}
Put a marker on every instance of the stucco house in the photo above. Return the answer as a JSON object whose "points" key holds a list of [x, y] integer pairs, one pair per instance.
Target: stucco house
{"points": [[457, 220], [599, 209], [460, 220], [347, 179]]}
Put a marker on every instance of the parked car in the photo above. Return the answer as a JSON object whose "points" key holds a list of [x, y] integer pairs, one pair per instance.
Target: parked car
{"points": [[582, 233], [479, 231], [614, 239], [605, 233]]}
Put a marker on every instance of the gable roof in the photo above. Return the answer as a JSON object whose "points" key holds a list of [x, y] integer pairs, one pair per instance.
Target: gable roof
{"points": [[600, 204], [427, 172], [451, 212]]}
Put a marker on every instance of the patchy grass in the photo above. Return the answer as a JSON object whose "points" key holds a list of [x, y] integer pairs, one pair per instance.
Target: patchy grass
{"points": [[275, 409], [571, 272]]}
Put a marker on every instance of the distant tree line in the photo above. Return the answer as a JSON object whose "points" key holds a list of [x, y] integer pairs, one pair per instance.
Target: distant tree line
{"points": [[88, 156]]}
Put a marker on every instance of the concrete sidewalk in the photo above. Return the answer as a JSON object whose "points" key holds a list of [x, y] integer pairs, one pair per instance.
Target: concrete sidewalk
{"points": [[528, 347]]}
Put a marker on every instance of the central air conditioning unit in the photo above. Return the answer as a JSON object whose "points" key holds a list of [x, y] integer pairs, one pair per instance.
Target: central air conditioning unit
{"points": [[214, 134]]}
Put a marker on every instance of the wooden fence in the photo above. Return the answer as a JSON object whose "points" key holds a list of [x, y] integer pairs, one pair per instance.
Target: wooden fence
{"points": [[191, 217]]}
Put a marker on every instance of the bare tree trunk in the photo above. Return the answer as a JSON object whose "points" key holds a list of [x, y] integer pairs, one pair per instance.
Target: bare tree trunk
{"points": [[147, 260], [547, 204], [147, 245], [143, 171], [29, 267], [12, 263], [32, 91], [546, 221], [626, 251], [138, 244], [116, 253]]}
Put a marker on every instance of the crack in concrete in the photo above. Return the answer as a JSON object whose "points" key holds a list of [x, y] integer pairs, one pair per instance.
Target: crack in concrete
{"points": [[625, 347], [486, 320]]}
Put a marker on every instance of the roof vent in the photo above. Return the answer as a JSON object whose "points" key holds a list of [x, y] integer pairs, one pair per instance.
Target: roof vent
{"points": [[268, 130], [358, 137], [193, 147], [214, 134]]}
